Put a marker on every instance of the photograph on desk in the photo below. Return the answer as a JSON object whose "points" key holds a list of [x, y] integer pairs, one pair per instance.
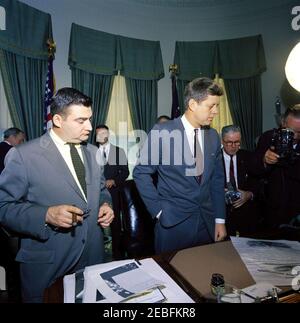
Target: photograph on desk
{"points": [[124, 281], [274, 261]]}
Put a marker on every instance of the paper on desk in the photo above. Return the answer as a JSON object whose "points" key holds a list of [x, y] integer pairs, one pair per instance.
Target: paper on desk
{"points": [[118, 283], [269, 261], [257, 290], [96, 290]]}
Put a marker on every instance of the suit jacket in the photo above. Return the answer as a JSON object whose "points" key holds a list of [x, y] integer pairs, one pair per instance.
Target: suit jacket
{"points": [[244, 219], [117, 165], [4, 148], [35, 178], [180, 196]]}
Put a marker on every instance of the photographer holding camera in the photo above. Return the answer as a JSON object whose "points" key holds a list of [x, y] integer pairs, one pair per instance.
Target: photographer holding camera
{"points": [[242, 214], [278, 158]]}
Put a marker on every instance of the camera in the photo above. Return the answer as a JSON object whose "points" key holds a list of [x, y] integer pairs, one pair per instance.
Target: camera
{"points": [[283, 145], [231, 195]]}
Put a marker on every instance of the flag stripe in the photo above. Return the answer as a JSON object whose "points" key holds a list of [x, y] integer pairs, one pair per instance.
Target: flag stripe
{"points": [[175, 112], [49, 91]]}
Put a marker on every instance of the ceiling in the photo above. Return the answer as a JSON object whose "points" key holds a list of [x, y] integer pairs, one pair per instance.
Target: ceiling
{"points": [[186, 3]]}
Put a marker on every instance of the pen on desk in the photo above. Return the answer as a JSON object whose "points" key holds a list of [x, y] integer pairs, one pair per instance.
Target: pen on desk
{"points": [[275, 272], [248, 295]]}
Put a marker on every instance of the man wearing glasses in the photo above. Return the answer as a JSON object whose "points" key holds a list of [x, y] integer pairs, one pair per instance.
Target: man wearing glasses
{"points": [[240, 187]]}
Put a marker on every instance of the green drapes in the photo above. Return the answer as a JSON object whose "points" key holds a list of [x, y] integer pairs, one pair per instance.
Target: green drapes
{"points": [[230, 58], [99, 88], [23, 64], [240, 63], [245, 101], [142, 97], [140, 61], [24, 82]]}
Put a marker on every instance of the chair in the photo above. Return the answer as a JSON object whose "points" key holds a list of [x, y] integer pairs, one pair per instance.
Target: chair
{"points": [[138, 224], [9, 242]]}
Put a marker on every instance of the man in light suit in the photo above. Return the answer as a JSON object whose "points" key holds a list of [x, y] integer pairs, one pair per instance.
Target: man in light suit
{"points": [[188, 202], [115, 173], [55, 200]]}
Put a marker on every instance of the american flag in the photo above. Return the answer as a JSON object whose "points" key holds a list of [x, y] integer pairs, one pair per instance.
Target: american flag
{"points": [[175, 112], [49, 91]]}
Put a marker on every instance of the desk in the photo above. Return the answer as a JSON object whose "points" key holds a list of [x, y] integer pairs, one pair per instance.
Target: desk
{"points": [[55, 293], [180, 266]]}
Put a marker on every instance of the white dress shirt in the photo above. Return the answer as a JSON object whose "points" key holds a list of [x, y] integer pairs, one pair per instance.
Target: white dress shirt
{"points": [[64, 150], [106, 146], [227, 167]]}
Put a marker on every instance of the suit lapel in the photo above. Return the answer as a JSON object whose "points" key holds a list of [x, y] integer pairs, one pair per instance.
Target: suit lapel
{"points": [[188, 156], [52, 154]]}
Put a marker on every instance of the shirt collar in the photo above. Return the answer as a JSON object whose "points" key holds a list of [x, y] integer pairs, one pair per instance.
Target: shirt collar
{"points": [[227, 155], [187, 126], [58, 141]]}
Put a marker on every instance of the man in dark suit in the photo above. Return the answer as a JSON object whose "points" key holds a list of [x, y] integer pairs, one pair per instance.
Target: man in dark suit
{"points": [[282, 175], [52, 192], [188, 202], [12, 137], [242, 215], [115, 172]]}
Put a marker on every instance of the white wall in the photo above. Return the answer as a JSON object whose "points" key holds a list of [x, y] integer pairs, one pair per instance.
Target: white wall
{"points": [[206, 20]]}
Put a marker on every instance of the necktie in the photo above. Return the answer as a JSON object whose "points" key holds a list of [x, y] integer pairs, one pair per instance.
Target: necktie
{"points": [[104, 154], [78, 166], [198, 156], [231, 173]]}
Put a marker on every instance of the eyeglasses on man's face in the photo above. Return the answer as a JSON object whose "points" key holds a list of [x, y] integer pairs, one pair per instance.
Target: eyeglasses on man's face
{"points": [[231, 143]]}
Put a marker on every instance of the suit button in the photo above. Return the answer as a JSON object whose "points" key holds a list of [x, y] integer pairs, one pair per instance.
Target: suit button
{"points": [[83, 240]]}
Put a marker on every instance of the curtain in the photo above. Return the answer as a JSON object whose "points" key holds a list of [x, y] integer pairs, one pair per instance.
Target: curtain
{"points": [[224, 117], [99, 88], [139, 61], [118, 111], [24, 80], [142, 97], [239, 62], [23, 64], [120, 123], [5, 119], [245, 100]]}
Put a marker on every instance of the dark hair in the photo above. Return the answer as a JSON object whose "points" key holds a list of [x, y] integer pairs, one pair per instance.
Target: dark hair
{"points": [[66, 97], [230, 128], [293, 111], [163, 117], [199, 89], [11, 132], [102, 126]]}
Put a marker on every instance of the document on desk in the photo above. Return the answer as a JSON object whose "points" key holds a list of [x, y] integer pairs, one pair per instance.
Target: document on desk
{"points": [[125, 281], [273, 261]]}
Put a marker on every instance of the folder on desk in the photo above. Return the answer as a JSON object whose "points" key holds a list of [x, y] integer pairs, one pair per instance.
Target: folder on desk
{"points": [[196, 265]]}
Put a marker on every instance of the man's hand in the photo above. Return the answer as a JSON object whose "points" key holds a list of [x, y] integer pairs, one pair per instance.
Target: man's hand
{"points": [[61, 215], [110, 183], [220, 231], [245, 197], [105, 215], [270, 157]]}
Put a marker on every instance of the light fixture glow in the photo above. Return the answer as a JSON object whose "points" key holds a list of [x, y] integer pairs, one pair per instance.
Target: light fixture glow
{"points": [[292, 68]]}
